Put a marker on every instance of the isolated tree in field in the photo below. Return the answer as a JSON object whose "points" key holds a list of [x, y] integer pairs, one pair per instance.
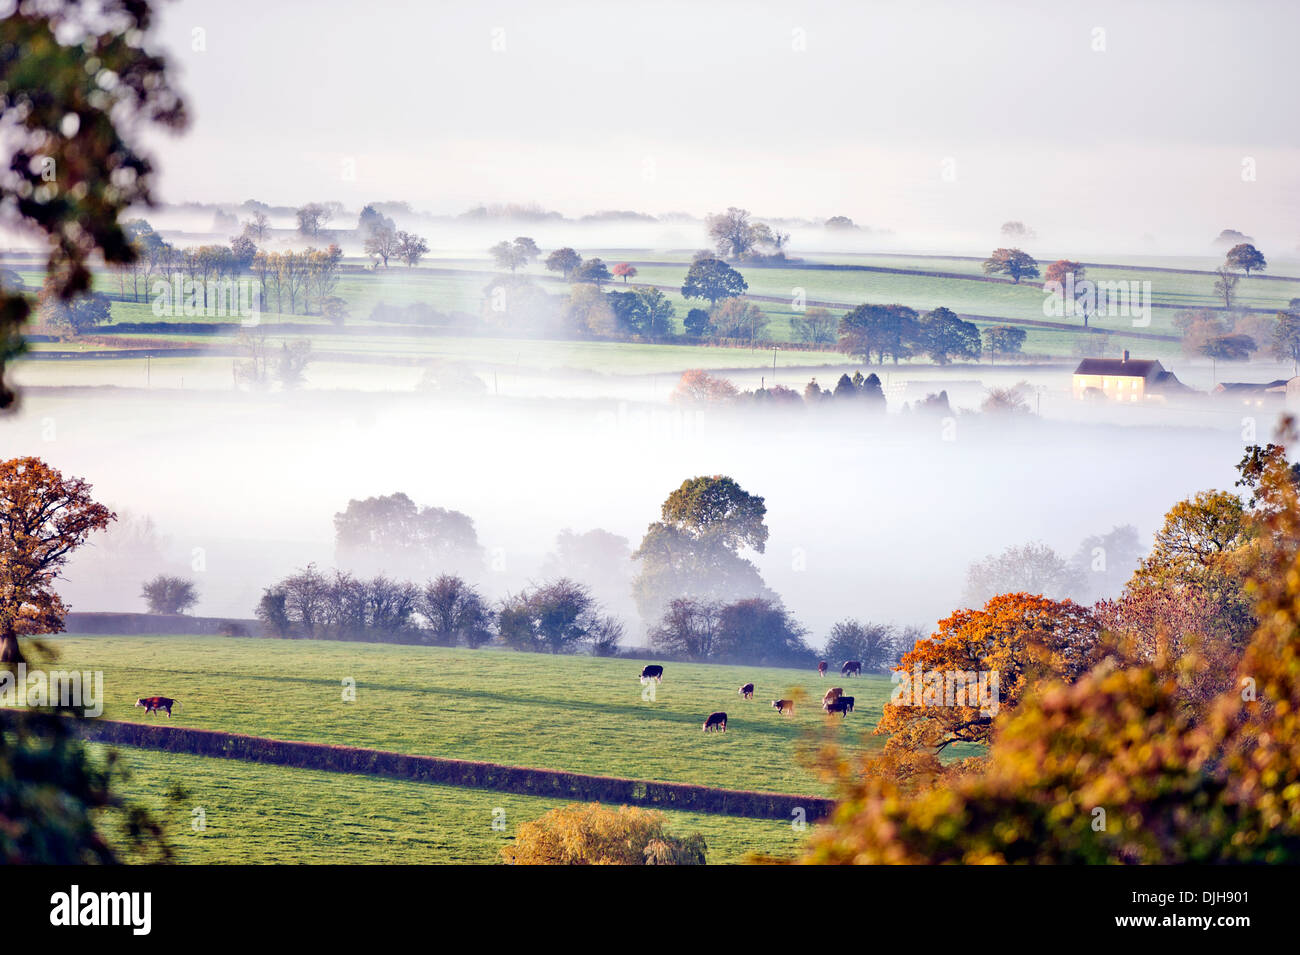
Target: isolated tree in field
{"points": [[817, 326], [382, 243], [945, 337], [1003, 340], [1245, 258], [1059, 270], [1013, 263], [411, 248], [732, 232], [456, 612], [43, 518], [593, 271], [166, 594], [624, 271], [564, 261], [258, 227], [880, 330], [713, 280], [71, 181], [1225, 285]]}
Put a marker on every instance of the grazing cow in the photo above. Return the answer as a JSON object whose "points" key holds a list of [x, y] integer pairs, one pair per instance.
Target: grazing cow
{"points": [[652, 671], [716, 721], [851, 668], [152, 704], [834, 693], [821, 669], [784, 707], [843, 706], [747, 691]]}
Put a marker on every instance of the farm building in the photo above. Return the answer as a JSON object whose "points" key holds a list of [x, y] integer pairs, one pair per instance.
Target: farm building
{"points": [[1125, 379], [1252, 393]]}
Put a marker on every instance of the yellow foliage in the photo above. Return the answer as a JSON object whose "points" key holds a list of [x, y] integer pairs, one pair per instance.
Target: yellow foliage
{"points": [[593, 835]]}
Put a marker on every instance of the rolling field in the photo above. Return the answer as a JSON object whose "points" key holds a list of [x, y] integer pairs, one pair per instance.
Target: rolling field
{"points": [[577, 714], [259, 814]]}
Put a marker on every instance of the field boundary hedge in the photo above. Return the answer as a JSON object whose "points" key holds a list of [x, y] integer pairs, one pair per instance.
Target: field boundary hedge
{"points": [[520, 780]]}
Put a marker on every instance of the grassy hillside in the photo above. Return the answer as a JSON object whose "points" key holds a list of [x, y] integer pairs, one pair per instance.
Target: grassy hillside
{"points": [[569, 713]]}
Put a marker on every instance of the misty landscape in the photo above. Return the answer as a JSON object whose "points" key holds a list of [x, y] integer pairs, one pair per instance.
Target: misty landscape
{"points": [[730, 434]]}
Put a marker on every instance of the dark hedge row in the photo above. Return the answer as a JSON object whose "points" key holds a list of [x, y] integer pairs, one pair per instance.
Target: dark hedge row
{"points": [[522, 780]]}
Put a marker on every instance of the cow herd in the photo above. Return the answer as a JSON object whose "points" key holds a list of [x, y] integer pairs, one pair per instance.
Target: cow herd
{"points": [[834, 701]]}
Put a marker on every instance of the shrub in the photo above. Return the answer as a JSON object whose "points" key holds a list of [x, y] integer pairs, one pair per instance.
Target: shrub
{"points": [[594, 835]]}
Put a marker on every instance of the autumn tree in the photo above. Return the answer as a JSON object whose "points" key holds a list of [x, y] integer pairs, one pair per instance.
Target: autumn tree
{"points": [[1019, 637], [739, 318], [696, 385], [77, 80], [1013, 263], [1061, 269], [596, 835], [817, 326], [593, 271], [44, 517], [624, 271]]}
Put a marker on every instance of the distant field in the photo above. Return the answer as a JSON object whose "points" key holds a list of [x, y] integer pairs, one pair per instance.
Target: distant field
{"points": [[570, 713], [457, 284], [278, 815]]}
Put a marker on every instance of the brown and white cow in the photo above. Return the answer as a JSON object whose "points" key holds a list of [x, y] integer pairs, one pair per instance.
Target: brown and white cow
{"points": [[747, 691], [784, 707], [834, 693], [851, 668], [716, 721], [152, 704], [821, 668]]}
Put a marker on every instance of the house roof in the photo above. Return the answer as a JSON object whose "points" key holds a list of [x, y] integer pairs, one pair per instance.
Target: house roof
{"points": [[1118, 367], [1250, 387]]}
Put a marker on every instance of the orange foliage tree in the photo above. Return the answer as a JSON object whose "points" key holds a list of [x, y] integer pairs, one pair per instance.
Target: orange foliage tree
{"points": [[1014, 635], [1116, 767], [43, 518]]}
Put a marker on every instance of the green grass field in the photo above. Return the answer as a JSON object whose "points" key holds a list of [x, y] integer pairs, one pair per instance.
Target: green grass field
{"points": [[569, 713], [258, 814]]}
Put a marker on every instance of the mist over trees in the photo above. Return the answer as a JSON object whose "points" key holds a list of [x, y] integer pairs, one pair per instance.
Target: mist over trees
{"points": [[391, 533]]}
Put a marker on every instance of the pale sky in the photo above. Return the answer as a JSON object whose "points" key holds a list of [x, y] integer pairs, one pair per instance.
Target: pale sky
{"points": [[905, 115]]}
